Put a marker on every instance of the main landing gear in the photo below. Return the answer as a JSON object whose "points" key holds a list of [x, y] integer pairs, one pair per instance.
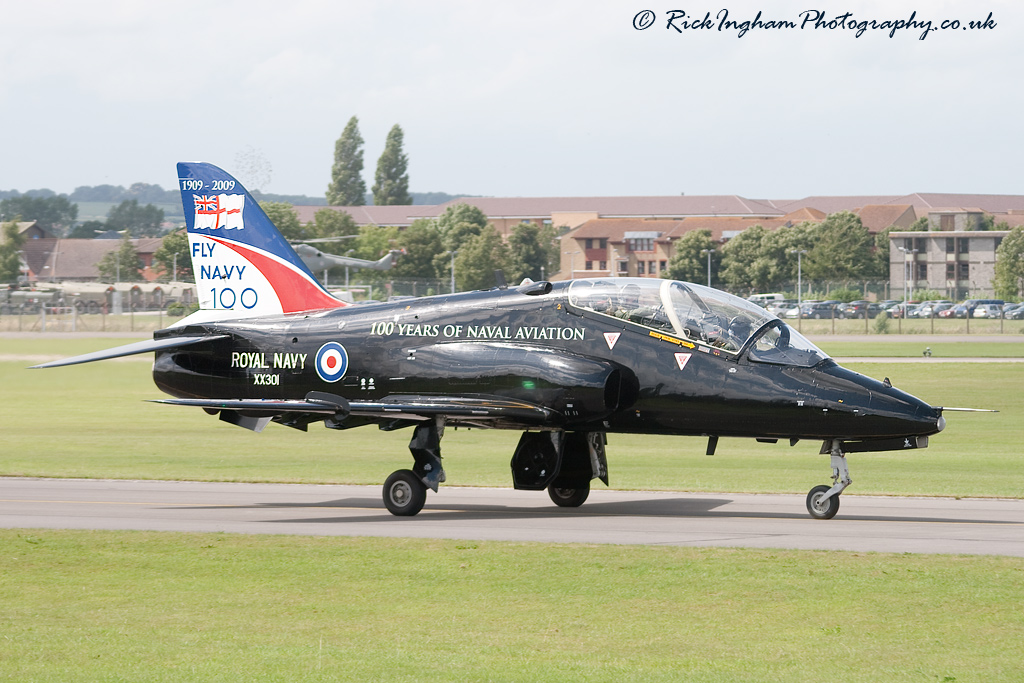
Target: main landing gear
{"points": [[569, 497], [405, 491], [823, 501], [562, 463]]}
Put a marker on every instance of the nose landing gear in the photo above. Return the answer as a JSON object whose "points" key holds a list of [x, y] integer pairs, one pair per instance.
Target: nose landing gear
{"points": [[823, 501]]}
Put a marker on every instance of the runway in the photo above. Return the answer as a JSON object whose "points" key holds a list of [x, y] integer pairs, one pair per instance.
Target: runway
{"points": [[864, 523]]}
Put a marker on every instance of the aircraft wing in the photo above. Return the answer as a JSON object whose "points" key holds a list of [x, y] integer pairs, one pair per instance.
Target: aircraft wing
{"points": [[408, 407]]}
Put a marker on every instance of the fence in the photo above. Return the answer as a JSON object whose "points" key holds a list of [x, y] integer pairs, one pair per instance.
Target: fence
{"points": [[69, 319]]}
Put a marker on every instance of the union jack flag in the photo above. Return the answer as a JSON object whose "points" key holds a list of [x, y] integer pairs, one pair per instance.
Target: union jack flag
{"points": [[205, 203], [218, 211]]}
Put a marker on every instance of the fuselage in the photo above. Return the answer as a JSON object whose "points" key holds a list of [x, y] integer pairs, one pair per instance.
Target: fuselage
{"points": [[594, 370]]}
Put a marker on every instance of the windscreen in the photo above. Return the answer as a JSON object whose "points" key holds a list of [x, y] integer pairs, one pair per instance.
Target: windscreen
{"points": [[780, 344], [698, 314]]}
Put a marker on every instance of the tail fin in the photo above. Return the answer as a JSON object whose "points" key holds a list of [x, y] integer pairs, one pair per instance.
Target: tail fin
{"points": [[242, 264]]}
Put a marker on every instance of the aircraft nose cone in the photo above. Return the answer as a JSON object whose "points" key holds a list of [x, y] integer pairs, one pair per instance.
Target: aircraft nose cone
{"points": [[929, 417]]}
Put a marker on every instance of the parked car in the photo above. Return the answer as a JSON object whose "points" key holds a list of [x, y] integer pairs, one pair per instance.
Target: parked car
{"points": [[859, 309], [930, 309], [764, 300], [991, 311], [779, 308], [971, 304], [820, 309], [901, 309], [791, 312], [1014, 312]]}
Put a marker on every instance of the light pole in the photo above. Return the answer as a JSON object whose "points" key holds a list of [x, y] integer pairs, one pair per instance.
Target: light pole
{"points": [[709, 252], [799, 286], [906, 283], [572, 263], [799, 275], [907, 255], [453, 253]]}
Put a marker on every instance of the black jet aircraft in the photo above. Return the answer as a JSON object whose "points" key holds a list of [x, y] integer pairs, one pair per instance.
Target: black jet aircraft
{"points": [[565, 363]]}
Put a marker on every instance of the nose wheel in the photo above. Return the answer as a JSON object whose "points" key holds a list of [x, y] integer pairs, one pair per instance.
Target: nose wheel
{"points": [[823, 501], [821, 507]]}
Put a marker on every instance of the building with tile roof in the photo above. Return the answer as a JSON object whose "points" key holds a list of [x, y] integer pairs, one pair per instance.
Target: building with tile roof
{"points": [[59, 260]]}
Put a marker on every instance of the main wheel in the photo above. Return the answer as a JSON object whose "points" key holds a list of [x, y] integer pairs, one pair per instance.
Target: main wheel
{"points": [[822, 509], [404, 493], [565, 497]]}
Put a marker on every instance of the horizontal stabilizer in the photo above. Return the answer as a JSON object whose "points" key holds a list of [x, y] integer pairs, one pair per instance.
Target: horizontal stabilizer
{"points": [[147, 346]]}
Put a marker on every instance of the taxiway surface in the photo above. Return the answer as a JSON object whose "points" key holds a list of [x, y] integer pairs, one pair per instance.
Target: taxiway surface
{"points": [[864, 523]]}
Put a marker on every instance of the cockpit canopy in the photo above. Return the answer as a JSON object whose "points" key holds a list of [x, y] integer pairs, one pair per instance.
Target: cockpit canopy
{"points": [[700, 315]]}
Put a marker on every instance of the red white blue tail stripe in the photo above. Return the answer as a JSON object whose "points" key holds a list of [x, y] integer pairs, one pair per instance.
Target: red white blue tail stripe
{"points": [[242, 264]]}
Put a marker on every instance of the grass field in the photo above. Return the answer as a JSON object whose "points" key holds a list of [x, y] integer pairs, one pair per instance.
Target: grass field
{"points": [[93, 421], [143, 322], [878, 347], [149, 321], [98, 606], [139, 606]]}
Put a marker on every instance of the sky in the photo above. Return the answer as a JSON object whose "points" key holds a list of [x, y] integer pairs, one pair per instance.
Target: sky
{"points": [[555, 98]]}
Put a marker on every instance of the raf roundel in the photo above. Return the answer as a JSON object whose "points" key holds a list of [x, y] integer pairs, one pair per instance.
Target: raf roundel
{"points": [[331, 362]]}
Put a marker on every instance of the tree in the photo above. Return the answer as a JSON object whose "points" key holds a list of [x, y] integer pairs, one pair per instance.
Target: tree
{"points": [[690, 260], [140, 221], [98, 193], [331, 223], [174, 258], [457, 225], [763, 260], [87, 230], [529, 252], [743, 267], [479, 258], [1009, 275], [460, 222], [922, 224], [842, 249], [374, 242], [144, 192], [121, 264], [285, 219], [55, 214], [422, 244], [347, 187], [391, 182], [10, 251], [880, 255]]}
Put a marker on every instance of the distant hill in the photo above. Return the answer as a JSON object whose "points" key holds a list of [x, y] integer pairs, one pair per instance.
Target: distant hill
{"points": [[95, 200]]}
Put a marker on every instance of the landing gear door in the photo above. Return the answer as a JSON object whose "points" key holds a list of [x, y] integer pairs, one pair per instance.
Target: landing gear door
{"points": [[537, 460], [598, 461]]}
